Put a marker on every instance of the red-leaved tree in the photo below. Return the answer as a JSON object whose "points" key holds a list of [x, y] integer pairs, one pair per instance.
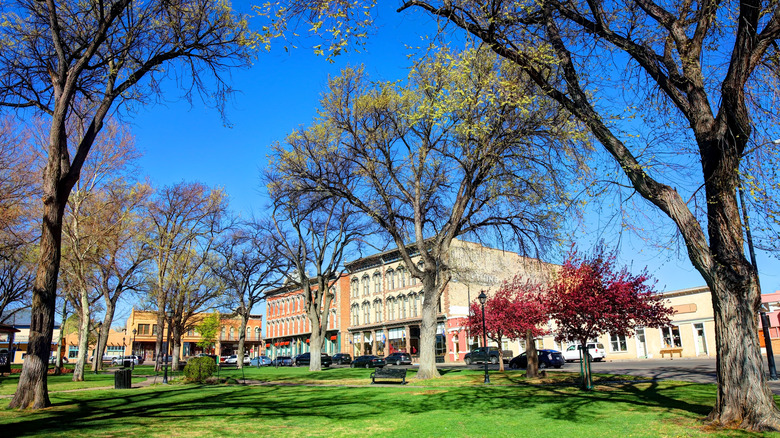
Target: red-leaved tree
{"points": [[591, 297], [516, 310]]}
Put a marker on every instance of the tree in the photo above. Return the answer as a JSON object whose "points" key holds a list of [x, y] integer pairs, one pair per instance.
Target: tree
{"points": [[591, 297], [187, 219], [249, 265], [312, 235], [706, 92], [82, 58], [457, 150], [516, 310], [208, 328]]}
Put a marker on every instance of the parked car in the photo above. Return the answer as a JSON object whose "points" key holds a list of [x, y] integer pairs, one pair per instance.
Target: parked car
{"points": [[547, 359], [261, 361], [367, 361], [213, 356], [120, 360], [342, 358], [233, 359], [53, 359], [595, 349], [399, 359], [305, 359], [283, 361], [481, 355]]}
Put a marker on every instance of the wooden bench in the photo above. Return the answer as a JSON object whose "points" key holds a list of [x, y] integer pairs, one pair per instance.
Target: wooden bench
{"points": [[671, 351], [389, 373]]}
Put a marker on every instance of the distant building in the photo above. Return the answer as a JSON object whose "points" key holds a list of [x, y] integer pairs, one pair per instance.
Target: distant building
{"points": [[17, 341], [142, 341]]}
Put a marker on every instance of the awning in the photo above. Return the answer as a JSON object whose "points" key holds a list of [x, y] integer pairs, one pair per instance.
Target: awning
{"points": [[334, 337]]}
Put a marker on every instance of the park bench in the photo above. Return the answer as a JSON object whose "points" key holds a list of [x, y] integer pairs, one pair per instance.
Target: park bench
{"points": [[671, 351], [389, 373]]}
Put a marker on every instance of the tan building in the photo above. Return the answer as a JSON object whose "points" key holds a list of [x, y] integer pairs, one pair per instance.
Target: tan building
{"points": [[142, 330], [386, 301], [117, 345], [690, 334]]}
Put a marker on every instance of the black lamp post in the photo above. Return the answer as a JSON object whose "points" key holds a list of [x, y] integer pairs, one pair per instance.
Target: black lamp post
{"points": [[132, 348], [482, 298]]}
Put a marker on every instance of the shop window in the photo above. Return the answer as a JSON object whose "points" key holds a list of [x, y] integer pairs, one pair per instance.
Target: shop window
{"points": [[671, 336], [618, 343]]}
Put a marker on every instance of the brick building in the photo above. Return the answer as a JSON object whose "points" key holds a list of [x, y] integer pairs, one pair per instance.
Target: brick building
{"points": [[289, 328]]}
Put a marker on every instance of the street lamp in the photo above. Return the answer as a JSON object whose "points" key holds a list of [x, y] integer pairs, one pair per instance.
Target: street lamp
{"points": [[482, 298], [132, 348]]}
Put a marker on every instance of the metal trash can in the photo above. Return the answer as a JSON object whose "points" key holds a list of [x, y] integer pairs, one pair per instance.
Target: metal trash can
{"points": [[123, 379], [127, 363]]}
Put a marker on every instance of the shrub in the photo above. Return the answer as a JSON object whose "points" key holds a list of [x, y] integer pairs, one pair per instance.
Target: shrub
{"points": [[199, 369]]}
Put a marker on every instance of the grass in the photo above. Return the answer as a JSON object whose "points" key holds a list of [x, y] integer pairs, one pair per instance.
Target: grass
{"points": [[457, 405]]}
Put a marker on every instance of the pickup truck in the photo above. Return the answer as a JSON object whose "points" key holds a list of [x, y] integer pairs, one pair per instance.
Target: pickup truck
{"points": [[480, 355]]}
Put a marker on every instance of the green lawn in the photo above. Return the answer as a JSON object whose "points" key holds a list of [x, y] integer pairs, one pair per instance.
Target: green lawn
{"points": [[457, 405]]}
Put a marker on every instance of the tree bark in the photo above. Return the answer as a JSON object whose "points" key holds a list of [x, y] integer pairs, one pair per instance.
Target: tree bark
{"points": [[428, 324], [242, 340], [107, 321], [532, 358], [81, 362], [32, 390]]}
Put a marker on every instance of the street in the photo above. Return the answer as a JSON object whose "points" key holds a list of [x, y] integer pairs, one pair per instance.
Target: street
{"points": [[686, 369]]}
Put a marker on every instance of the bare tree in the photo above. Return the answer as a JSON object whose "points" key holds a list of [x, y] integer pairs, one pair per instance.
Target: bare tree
{"points": [[249, 264], [186, 221], [99, 53], [313, 233], [437, 158]]}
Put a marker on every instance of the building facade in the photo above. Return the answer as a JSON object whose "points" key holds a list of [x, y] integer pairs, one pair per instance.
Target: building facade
{"points": [[289, 328], [385, 301], [141, 327]]}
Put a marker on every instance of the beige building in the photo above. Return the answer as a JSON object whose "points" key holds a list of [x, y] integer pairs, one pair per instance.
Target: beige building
{"points": [[690, 334], [385, 301]]}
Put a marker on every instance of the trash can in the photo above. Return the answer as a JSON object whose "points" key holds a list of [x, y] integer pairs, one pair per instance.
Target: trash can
{"points": [[122, 379], [127, 363]]}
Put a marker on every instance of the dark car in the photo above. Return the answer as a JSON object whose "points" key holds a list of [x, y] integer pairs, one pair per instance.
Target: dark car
{"points": [[342, 358], [305, 359], [547, 359], [367, 362], [399, 359], [283, 361]]}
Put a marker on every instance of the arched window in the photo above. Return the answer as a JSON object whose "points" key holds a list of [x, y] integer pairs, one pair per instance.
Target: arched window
{"points": [[415, 304], [390, 309], [377, 310], [396, 280], [401, 276], [377, 282], [333, 293], [257, 333], [355, 315], [404, 305], [366, 313], [232, 333], [390, 279], [354, 288], [365, 285]]}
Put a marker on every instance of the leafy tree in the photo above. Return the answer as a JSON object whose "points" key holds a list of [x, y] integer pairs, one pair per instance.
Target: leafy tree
{"points": [[591, 297], [516, 310], [79, 59], [700, 76], [454, 151], [208, 329]]}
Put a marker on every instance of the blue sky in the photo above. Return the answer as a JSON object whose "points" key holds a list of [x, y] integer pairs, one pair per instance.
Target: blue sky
{"points": [[281, 92]]}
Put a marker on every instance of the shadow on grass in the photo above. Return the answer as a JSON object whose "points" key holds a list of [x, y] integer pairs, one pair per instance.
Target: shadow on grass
{"points": [[100, 411]]}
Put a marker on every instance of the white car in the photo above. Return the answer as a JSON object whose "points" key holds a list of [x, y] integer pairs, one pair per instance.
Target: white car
{"points": [[596, 351], [234, 359]]}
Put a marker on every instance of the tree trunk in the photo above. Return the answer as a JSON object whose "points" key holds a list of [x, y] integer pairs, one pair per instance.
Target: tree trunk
{"points": [[315, 348], [176, 341], [32, 390], [158, 342], [429, 310], [532, 362], [500, 354], [61, 341], [744, 399], [103, 339], [241, 341], [81, 362]]}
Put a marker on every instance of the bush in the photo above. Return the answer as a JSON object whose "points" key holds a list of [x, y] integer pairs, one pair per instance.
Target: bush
{"points": [[199, 369]]}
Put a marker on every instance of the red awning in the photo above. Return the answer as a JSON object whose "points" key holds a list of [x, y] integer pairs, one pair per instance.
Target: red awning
{"points": [[334, 337], [307, 341]]}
